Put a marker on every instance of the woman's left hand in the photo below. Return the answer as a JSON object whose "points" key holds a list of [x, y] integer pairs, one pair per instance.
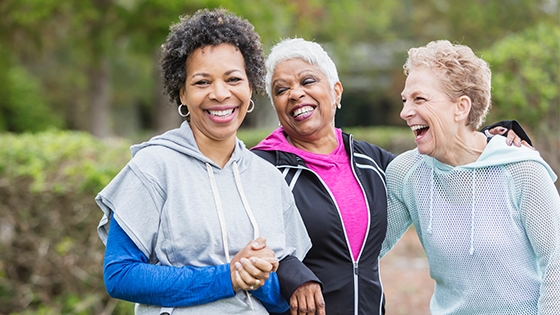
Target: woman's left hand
{"points": [[252, 273], [252, 265]]}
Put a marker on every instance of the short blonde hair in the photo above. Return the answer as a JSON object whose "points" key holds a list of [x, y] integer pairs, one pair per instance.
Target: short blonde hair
{"points": [[461, 73]]}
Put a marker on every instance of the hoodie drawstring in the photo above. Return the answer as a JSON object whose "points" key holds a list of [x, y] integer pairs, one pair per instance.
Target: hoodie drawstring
{"points": [[245, 202], [429, 230], [471, 251], [220, 210]]}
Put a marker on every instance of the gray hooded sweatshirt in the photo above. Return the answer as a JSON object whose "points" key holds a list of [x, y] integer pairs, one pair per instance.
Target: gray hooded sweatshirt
{"points": [[181, 209]]}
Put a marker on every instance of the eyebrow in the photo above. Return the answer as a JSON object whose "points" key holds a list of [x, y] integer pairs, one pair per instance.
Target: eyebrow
{"points": [[302, 72], [205, 74]]}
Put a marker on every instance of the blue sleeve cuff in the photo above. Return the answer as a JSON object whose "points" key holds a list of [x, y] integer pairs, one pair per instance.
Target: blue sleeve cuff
{"points": [[269, 295]]}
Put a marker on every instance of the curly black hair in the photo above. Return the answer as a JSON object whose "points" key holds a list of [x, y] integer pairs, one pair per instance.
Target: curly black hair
{"points": [[209, 28]]}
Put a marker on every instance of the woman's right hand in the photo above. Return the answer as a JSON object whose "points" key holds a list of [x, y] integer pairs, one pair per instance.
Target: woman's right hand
{"points": [[252, 265]]}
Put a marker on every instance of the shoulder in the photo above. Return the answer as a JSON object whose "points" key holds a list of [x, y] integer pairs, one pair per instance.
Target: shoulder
{"points": [[269, 156], [262, 159], [368, 152], [529, 170], [403, 163], [497, 152], [153, 157]]}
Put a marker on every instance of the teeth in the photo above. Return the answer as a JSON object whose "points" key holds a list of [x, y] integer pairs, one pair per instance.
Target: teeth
{"points": [[417, 127], [221, 113], [302, 110]]}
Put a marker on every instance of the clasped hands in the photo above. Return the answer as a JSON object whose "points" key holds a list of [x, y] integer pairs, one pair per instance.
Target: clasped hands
{"points": [[252, 265]]}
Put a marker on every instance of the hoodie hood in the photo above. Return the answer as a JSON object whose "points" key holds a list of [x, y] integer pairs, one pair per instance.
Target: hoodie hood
{"points": [[497, 152], [275, 141], [182, 140]]}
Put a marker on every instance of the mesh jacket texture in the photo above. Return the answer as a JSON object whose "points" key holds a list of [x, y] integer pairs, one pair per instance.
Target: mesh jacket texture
{"points": [[491, 230]]}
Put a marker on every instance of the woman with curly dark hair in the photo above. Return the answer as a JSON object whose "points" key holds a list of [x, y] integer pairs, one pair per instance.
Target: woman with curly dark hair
{"points": [[198, 223]]}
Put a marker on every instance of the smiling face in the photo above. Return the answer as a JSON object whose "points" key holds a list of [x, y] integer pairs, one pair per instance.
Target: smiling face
{"points": [[216, 92], [429, 113], [304, 100]]}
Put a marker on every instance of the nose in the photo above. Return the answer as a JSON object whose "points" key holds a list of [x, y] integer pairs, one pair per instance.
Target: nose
{"points": [[407, 111], [220, 91], [296, 93]]}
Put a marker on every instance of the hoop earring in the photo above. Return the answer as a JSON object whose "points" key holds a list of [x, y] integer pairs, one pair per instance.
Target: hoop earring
{"points": [[181, 112], [251, 106]]}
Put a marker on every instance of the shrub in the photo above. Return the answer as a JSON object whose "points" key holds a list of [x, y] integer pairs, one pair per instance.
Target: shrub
{"points": [[526, 85], [50, 255]]}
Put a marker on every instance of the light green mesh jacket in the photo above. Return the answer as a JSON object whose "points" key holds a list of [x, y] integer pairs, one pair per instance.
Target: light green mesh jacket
{"points": [[490, 229]]}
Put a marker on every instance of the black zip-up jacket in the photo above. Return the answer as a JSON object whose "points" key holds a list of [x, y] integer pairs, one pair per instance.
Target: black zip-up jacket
{"points": [[349, 287]]}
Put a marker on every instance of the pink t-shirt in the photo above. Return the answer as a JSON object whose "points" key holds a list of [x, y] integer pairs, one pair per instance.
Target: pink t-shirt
{"points": [[335, 170]]}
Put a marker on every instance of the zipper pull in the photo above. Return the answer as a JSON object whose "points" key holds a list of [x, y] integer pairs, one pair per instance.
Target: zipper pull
{"points": [[356, 268]]}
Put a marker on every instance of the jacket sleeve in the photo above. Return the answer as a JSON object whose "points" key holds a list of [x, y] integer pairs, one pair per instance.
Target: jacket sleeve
{"points": [[269, 295], [539, 206], [398, 215], [292, 273], [129, 276], [509, 125]]}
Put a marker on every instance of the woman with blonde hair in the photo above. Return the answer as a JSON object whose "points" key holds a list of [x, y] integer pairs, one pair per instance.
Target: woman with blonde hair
{"points": [[487, 215]]}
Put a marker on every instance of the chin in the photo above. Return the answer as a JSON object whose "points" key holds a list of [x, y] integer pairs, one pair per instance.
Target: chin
{"points": [[423, 149]]}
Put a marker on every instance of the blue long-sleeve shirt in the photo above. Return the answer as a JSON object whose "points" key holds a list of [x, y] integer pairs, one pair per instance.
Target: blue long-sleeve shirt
{"points": [[129, 276]]}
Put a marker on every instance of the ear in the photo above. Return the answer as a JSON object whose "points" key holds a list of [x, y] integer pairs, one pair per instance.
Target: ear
{"points": [[463, 108], [337, 92], [183, 96]]}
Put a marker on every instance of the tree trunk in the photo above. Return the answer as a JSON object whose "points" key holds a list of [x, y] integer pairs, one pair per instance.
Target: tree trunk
{"points": [[100, 99], [165, 113]]}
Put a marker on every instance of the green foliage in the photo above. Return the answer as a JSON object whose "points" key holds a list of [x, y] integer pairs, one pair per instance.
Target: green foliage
{"points": [[59, 162], [24, 107], [51, 261], [63, 43], [526, 77], [526, 85]]}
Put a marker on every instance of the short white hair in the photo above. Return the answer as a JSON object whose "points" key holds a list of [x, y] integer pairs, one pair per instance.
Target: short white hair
{"points": [[299, 48]]}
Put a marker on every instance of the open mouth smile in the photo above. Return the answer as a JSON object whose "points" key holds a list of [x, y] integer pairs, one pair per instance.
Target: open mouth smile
{"points": [[221, 113], [419, 130], [302, 111]]}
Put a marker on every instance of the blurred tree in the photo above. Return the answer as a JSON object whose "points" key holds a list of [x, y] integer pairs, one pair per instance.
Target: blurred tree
{"points": [[526, 84], [477, 23], [95, 58], [23, 106]]}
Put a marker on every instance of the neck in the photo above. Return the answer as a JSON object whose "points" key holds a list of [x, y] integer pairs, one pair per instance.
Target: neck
{"points": [[464, 149], [218, 152], [320, 145]]}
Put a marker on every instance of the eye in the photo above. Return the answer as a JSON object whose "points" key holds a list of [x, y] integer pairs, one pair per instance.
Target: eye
{"points": [[419, 99], [201, 82], [279, 90], [234, 80], [308, 80]]}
